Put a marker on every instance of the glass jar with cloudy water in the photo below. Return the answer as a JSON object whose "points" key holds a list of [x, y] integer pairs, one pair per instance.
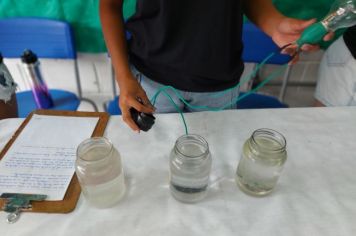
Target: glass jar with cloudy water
{"points": [[190, 166], [100, 172], [261, 163]]}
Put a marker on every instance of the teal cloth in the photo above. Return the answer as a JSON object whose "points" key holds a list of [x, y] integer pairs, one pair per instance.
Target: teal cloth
{"points": [[82, 14]]}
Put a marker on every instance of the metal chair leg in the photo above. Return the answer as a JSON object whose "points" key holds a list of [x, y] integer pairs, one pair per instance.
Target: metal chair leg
{"points": [[91, 103], [286, 77]]}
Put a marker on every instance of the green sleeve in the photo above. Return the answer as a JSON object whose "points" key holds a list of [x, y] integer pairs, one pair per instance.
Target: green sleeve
{"points": [[307, 9]]}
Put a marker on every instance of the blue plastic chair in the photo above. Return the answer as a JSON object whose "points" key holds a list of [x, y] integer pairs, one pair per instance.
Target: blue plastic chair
{"points": [[47, 38], [113, 106], [257, 46], [259, 101]]}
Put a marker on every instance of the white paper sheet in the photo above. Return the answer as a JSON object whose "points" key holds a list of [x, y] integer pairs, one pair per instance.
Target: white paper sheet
{"points": [[41, 160]]}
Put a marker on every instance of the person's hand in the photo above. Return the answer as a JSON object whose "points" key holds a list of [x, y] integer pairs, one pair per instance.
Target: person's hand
{"points": [[130, 92], [288, 30]]}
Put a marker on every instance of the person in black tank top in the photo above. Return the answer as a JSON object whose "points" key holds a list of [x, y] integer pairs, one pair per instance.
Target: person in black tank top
{"points": [[192, 45]]}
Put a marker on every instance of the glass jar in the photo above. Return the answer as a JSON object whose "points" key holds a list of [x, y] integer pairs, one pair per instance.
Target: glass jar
{"points": [[100, 173], [190, 166], [261, 163]]}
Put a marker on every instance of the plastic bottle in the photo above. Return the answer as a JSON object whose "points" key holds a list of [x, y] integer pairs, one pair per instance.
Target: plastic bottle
{"points": [[32, 72]]}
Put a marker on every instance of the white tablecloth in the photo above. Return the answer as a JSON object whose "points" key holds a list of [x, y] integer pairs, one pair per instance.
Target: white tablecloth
{"points": [[316, 194]]}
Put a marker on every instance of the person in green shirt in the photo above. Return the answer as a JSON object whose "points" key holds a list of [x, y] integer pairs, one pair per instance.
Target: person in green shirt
{"points": [[303, 9]]}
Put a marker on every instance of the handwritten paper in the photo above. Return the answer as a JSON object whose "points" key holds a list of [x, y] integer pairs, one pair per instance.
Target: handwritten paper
{"points": [[41, 160]]}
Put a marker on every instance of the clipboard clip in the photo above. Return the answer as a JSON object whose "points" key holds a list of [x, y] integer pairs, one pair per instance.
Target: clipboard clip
{"points": [[16, 202]]}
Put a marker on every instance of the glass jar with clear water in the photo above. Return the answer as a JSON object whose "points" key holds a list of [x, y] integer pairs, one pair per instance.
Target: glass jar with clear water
{"points": [[261, 163], [190, 166], [100, 173]]}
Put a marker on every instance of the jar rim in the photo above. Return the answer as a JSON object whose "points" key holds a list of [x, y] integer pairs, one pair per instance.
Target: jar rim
{"points": [[273, 134], [196, 137], [84, 145]]}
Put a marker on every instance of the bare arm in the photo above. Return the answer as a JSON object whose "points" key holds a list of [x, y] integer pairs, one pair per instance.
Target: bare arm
{"points": [[113, 28], [282, 29], [263, 14]]}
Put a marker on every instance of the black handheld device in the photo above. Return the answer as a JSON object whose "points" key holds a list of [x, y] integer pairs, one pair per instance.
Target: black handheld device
{"points": [[143, 120]]}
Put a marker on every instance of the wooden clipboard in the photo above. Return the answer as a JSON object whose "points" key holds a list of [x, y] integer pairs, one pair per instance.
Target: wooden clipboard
{"points": [[73, 192]]}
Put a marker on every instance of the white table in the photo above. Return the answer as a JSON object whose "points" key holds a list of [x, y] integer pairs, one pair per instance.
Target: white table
{"points": [[316, 194]]}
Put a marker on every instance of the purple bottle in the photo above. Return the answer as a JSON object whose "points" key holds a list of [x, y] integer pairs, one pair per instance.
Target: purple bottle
{"points": [[33, 75]]}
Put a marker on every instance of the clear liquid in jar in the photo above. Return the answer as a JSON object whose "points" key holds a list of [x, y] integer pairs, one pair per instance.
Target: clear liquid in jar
{"points": [[189, 182]]}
